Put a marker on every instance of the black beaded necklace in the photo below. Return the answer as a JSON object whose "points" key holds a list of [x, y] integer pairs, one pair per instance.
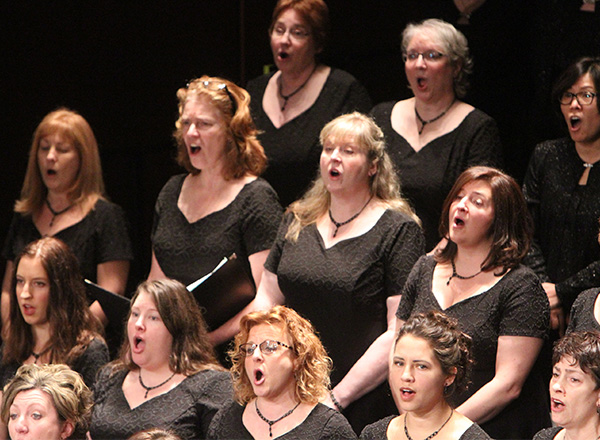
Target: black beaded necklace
{"points": [[434, 433], [339, 224], [36, 356], [460, 277], [56, 213], [286, 97], [155, 386], [272, 422], [429, 121]]}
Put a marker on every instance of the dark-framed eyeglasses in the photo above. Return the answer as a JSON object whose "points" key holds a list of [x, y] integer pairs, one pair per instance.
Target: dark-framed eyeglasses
{"points": [[428, 56], [266, 347], [583, 98], [217, 86]]}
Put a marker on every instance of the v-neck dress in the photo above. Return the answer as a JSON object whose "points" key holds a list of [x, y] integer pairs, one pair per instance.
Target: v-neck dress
{"points": [[427, 176], [582, 312], [515, 306], [322, 423], [187, 409], [343, 289], [293, 150], [378, 431]]}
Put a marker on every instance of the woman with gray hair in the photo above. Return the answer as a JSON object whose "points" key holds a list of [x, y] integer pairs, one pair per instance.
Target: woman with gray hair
{"points": [[434, 136]]}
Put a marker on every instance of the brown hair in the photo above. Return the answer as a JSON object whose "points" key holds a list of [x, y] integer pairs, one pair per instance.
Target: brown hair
{"points": [[584, 348], [314, 366], [88, 186], [244, 153], [154, 434], [72, 325], [314, 12], [452, 347], [191, 351], [511, 229]]}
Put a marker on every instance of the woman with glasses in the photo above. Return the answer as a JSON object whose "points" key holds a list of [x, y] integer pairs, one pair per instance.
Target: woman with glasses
{"points": [[220, 206], [280, 374], [434, 136], [166, 375], [561, 187], [291, 105]]}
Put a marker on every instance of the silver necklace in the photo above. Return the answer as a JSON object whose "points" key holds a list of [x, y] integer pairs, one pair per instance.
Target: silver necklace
{"points": [[434, 433], [272, 422], [429, 121]]}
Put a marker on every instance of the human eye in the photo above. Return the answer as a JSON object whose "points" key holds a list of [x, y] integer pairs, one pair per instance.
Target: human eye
{"points": [[412, 56], [422, 367], [279, 30], [431, 55], [398, 362], [135, 313], [40, 283], [587, 95], [270, 346], [185, 122], [36, 416], [327, 148], [20, 280], [348, 151], [13, 416]]}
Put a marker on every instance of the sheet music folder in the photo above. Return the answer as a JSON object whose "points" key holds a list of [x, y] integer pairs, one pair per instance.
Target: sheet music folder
{"points": [[224, 291], [115, 307]]}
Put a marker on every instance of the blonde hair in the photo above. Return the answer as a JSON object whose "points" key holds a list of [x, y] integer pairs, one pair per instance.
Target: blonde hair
{"points": [[314, 366], [244, 153], [384, 184], [88, 186]]}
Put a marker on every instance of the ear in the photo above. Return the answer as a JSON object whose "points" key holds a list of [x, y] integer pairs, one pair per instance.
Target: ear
{"points": [[598, 402], [451, 377], [373, 169], [67, 430]]}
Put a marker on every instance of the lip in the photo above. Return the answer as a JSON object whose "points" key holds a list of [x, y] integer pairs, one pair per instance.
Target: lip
{"points": [[258, 377], [574, 122], [194, 149], [334, 173], [557, 405], [27, 309], [458, 221], [407, 394], [138, 344]]}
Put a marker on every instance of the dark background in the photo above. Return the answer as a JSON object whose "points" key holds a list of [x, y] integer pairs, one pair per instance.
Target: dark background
{"points": [[119, 63]]}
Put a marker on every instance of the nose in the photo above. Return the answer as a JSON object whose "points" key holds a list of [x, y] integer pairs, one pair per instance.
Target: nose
{"points": [[192, 130], [51, 154], [335, 154], [20, 425], [420, 61], [556, 384], [24, 293], [575, 103], [462, 204], [407, 375], [257, 355], [139, 323]]}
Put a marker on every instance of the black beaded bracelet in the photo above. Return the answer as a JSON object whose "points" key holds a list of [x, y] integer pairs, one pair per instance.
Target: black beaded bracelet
{"points": [[337, 404]]}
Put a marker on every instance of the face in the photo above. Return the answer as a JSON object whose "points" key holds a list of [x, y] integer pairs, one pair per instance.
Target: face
{"points": [[150, 341], [416, 377], [59, 162], [32, 416], [428, 79], [471, 214], [583, 121], [573, 395], [271, 375], [32, 290], [292, 44], [204, 133], [344, 166]]}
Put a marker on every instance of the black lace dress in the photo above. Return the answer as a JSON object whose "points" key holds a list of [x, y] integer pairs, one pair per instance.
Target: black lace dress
{"points": [[427, 176], [565, 249], [378, 431], [187, 409], [582, 312], [322, 423], [548, 434], [293, 149], [343, 289], [515, 306]]}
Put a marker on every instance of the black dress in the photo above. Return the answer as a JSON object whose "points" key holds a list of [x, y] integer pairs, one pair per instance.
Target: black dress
{"points": [[186, 410], [101, 236], [88, 364], [427, 176], [322, 423], [293, 149], [378, 431], [565, 250], [515, 306], [187, 251], [342, 290], [548, 433], [582, 312]]}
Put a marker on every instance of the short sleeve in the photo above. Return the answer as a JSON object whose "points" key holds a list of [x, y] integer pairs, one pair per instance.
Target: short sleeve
{"points": [[411, 289], [91, 361], [274, 257], [112, 233]]}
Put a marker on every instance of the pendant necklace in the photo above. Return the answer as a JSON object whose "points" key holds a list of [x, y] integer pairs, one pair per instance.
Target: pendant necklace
{"points": [[36, 356], [339, 224], [155, 386], [434, 433], [286, 97], [429, 121], [272, 422], [56, 213], [460, 277]]}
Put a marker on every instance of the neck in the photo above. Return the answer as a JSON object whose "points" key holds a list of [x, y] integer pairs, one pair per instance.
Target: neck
{"points": [[41, 336], [291, 80], [343, 206], [589, 152], [430, 109], [470, 259], [58, 200], [589, 431], [150, 372], [210, 178], [429, 419], [273, 407]]}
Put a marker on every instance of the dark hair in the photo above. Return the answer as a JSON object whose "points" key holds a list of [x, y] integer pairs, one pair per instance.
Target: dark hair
{"points": [[191, 350], [244, 153], [511, 229], [72, 325], [452, 347], [584, 348], [575, 71], [314, 12]]}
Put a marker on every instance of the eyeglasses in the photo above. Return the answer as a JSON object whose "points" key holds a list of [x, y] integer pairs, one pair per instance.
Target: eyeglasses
{"points": [[583, 98], [267, 347], [428, 56], [297, 34], [216, 86]]}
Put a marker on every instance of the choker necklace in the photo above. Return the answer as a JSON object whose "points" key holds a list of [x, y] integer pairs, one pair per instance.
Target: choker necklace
{"points": [[155, 386], [56, 213], [272, 422], [424, 122], [460, 277], [434, 433], [338, 225], [286, 97], [36, 356]]}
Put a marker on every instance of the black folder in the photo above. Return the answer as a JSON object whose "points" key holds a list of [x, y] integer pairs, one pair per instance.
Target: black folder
{"points": [[115, 307]]}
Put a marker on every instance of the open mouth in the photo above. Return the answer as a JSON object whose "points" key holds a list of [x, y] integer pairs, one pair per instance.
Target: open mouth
{"points": [[51, 172], [259, 377], [283, 55], [406, 392], [458, 221], [421, 82], [575, 121], [557, 404], [334, 173], [138, 343], [195, 149]]}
